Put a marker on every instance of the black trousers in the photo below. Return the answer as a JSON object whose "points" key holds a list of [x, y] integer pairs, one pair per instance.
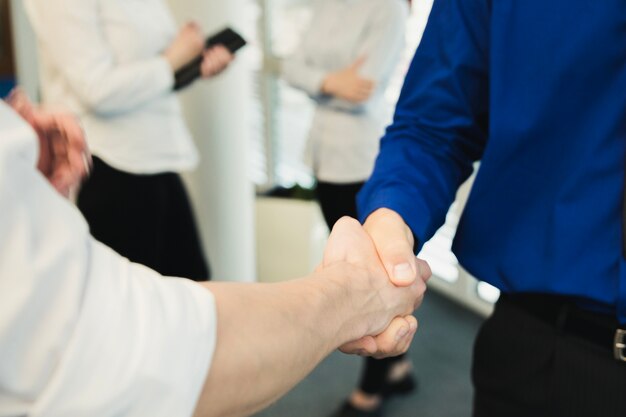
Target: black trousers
{"points": [[146, 218], [336, 201], [525, 366]]}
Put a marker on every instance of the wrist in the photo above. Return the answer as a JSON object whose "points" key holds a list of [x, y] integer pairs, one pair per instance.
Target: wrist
{"points": [[173, 61], [388, 219], [339, 302], [328, 85]]}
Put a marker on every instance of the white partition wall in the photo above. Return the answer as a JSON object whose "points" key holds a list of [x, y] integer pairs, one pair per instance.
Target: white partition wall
{"points": [[25, 50], [218, 114]]}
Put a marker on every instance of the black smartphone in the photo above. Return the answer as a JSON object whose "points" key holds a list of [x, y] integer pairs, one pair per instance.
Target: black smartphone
{"points": [[190, 72], [227, 37]]}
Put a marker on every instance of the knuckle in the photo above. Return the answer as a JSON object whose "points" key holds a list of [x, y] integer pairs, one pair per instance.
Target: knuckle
{"points": [[424, 268], [348, 221]]}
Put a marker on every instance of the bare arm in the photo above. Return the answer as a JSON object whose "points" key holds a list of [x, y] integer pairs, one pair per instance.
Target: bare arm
{"points": [[271, 336]]}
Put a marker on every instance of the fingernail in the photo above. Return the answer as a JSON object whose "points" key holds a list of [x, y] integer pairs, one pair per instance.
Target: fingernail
{"points": [[403, 272], [402, 333]]}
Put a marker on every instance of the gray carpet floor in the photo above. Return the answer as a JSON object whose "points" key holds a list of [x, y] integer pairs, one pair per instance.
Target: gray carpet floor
{"points": [[441, 355]]}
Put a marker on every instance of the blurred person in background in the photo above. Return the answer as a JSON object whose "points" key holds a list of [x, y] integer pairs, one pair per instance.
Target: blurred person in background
{"points": [[112, 63], [344, 63]]}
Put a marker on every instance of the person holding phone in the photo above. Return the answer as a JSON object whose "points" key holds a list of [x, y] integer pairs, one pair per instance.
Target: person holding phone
{"points": [[344, 62], [113, 63]]}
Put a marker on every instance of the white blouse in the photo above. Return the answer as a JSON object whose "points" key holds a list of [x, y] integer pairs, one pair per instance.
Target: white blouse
{"points": [[101, 59], [344, 136], [84, 332]]}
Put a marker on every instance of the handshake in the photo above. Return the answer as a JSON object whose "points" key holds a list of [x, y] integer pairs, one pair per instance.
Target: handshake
{"points": [[382, 282], [369, 278]]}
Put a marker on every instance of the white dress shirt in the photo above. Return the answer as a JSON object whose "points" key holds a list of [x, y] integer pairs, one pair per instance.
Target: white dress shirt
{"points": [[84, 332], [344, 136], [101, 59]]}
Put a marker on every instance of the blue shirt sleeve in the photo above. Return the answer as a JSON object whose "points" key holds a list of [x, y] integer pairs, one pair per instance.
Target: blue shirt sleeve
{"points": [[440, 123]]}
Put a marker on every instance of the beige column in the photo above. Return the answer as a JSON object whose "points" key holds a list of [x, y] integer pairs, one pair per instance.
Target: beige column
{"points": [[25, 47], [217, 113]]}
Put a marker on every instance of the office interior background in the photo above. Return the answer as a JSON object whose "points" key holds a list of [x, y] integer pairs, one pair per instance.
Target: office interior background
{"points": [[251, 130]]}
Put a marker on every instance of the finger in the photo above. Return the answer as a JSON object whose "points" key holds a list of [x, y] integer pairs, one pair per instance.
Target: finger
{"points": [[215, 60], [20, 102], [221, 50], [207, 67], [424, 269], [78, 153], [396, 339], [366, 84], [61, 175], [388, 340], [223, 58], [401, 348], [394, 244], [193, 25], [45, 161], [366, 346], [349, 242], [364, 95]]}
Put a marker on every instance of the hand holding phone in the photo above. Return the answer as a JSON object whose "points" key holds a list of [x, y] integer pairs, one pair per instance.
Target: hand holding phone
{"points": [[187, 45], [227, 38]]}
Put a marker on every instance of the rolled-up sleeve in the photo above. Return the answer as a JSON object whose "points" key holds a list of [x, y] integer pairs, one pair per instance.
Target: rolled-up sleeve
{"points": [[440, 123], [297, 71]]}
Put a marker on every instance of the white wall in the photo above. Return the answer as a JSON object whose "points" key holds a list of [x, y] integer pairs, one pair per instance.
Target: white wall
{"points": [[217, 112], [25, 50]]}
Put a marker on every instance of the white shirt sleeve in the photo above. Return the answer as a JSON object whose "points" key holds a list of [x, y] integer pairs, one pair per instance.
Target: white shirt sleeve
{"points": [[84, 332], [298, 69], [70, 33]]}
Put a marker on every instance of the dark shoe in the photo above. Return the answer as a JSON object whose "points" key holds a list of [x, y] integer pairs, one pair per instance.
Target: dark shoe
{"points": [[348, 410], [405, 386]]}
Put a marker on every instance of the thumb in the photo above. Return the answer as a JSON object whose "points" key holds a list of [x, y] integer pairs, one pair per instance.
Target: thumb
{"points": [[348, 242], [358, 63], [394, 244]]}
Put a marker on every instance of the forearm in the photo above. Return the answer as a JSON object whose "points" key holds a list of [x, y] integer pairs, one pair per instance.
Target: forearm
{"points": [[347, 106], [300, 74], [270, 336]]}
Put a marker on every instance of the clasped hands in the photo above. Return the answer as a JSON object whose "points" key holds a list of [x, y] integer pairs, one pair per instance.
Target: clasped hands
{"points": [[388, 281]]}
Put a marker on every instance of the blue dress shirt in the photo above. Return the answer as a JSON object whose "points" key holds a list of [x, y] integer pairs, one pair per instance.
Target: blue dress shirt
{"points": [[535, 90]]}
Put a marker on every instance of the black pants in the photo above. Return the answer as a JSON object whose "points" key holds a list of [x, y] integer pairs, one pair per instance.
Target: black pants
{"points": [[525, 366], [146, 218], [336, 201]]}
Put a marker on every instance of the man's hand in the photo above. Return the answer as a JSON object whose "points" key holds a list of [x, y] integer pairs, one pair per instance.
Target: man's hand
{"points": [[387, 308], [393, 241], [348, 85], [394, 244], [64, 158]]}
